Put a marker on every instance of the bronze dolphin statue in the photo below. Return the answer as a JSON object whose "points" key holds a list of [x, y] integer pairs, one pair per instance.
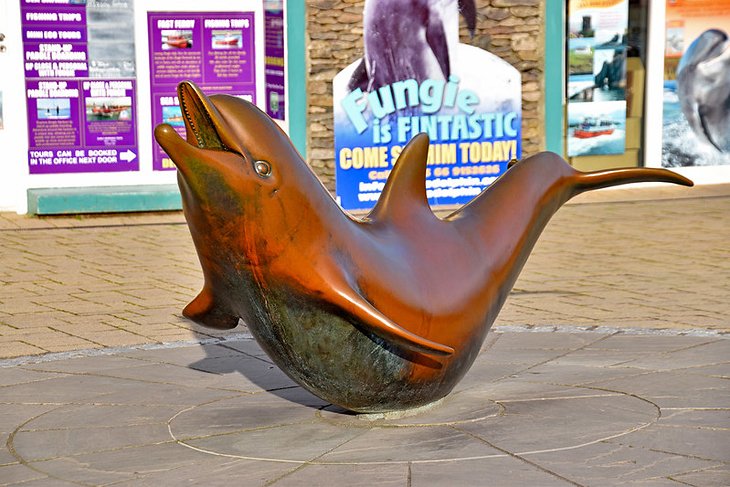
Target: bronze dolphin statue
{"points": [[383, 313]]}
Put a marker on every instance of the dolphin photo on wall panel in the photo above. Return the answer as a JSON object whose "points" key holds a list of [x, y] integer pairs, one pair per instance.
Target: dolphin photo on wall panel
{"points": [[416, 77], [696, 130]]}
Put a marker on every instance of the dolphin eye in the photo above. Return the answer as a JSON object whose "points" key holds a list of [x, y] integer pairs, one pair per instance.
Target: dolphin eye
{"points": [[263, 168]]}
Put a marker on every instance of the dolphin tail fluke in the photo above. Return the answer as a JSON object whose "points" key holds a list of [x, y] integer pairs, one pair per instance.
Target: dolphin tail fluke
{"points": [[613, 177], [204, 311]]}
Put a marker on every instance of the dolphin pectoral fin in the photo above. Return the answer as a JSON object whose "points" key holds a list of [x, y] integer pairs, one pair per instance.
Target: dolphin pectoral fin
{"points": [[708, 132], [204, 311], [436, 38], [377, 323]]}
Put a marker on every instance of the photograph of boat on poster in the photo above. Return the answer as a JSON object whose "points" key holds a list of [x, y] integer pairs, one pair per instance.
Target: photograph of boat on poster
{"points": [[108, 108], [177, 39], [226, 39], [596, 128]]}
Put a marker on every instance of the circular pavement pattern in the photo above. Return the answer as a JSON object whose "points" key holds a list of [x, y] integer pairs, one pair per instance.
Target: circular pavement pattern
{"points": [[468, 424], [535, 409]]}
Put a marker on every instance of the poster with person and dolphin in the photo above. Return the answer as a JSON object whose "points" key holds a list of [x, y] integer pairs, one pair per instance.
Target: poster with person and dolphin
{"points": [[416, 77], [696, 128]]}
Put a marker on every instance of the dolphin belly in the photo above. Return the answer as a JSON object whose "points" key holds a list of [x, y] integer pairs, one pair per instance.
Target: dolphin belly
{"points": [[323, 352]]}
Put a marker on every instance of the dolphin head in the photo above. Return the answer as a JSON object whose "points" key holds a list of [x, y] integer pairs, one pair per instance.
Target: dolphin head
{"points": [[231, 141], [238, 172], [708, 45]]}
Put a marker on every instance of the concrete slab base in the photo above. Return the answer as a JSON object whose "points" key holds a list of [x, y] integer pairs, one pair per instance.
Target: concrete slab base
{"points": [[536, 409]]}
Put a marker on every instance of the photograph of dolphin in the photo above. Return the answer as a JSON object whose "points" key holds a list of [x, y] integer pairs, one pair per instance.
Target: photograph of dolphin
{"points": [[408, 40], [703, 88], [383, 312]]}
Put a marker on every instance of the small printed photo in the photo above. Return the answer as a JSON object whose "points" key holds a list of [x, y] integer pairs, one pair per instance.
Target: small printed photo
{"points": [[580, 55], [609, 74], [274, 5], [177, 39], [581, 88], [611, 39], [596, 128], [274, 101], [173, 115], [109, 108], [603, 80], [227, 39], [674, 46], [581, 26], [53, 108]]}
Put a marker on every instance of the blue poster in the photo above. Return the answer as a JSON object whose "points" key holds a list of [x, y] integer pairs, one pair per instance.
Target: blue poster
{"points": [[422, 80]]}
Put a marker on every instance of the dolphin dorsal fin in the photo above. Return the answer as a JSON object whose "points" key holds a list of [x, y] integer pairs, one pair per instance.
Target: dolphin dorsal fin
{"points": [[404, 195]]}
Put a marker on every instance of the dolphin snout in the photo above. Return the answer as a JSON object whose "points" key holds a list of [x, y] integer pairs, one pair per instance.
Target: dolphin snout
{"points": [[174, 145]]}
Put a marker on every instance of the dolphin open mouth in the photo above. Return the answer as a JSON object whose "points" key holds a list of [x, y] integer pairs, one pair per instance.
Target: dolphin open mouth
{"points": [[203, 123]]}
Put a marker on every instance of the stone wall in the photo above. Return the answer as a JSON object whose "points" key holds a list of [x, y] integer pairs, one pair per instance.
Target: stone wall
{"points": [[510, 29]]}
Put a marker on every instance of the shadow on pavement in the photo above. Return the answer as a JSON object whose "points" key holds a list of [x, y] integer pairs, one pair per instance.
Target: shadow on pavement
{"points": [[246, 358]]}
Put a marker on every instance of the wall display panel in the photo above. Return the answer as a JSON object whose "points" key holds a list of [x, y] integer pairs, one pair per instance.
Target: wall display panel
{"points": [[274, 59], [77, 95], [597, 49], [696, 95], [79, 63]]}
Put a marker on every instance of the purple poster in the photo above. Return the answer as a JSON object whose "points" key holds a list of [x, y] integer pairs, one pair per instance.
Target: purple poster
{"points": [[274, 58], [213, 49], [80, 87]]}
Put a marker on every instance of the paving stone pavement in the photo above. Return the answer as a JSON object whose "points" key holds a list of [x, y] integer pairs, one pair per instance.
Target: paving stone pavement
{"points": [[105, 281], [537, 408], [609, 364]]}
